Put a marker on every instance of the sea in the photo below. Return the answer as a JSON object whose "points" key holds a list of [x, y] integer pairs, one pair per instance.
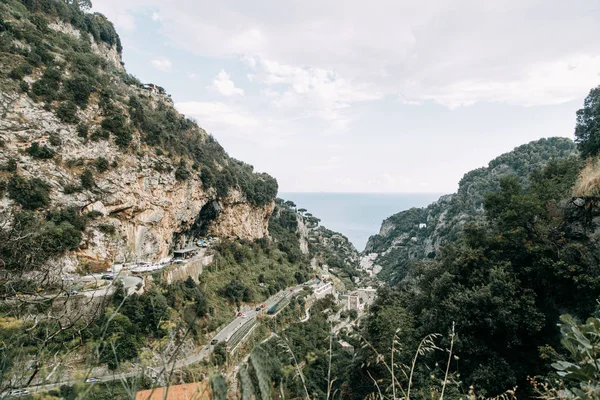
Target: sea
{"points": [[357, 215]]}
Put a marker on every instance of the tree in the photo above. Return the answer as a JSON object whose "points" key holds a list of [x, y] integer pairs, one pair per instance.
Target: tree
{"points": [[87, 179], [67, 112], [587, 128], [101, 164], [182, 173], [220, 354], [41, 152], [30, 194]]}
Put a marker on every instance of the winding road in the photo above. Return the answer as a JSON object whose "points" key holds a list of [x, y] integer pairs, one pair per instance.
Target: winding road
{"points": [[223, 335]]}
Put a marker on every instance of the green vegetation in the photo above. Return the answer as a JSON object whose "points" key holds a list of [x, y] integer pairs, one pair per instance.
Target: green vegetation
{"points": [[283, 228], [43, 152], [83, 130], [10, 165], [72, 76], [273, 366], [587, 130], [87, 180], [101, 164], [29, 241], [504, 283], [29, 193], [67, 112], [579, 370], [182, 173], [407, 242]]}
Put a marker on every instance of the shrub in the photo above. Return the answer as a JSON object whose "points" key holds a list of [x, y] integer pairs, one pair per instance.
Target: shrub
{"points": [[54, 140], [220, 354], [19, 72], [42, 152], [182, 173], [236, 291], [87, 179], [94, 214], [117, 124], [30, 194], [100, 134], [24, 86], [70, 189], [78, 89], [67, 112], [207, 177], [48, 85], [82, 130], [70, 215], [107, 229], [101, 164], [10, 166]]}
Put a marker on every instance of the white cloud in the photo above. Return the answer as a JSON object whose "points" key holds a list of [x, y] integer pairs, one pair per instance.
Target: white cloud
{"points": [[192, 75], [234, 121], [162, 64], [314, 92], [217, 114], [156, 16], [543, 83], [316, 70], [224, 85], [425, 51]]}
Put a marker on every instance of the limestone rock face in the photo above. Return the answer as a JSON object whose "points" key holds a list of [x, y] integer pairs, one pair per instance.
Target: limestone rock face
{"points": [[303, 234], [142, 210], [238, 218]]}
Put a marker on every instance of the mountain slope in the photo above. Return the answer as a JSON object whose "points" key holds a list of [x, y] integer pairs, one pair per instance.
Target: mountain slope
{"points": [[419, 233], [79, 133]]}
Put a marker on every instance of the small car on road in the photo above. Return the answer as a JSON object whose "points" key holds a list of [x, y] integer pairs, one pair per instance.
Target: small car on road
{"points": [[92, 380], [214, 341]]}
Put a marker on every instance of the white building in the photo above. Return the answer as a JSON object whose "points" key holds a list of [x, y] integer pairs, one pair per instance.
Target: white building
{"points": [[323, 289]]}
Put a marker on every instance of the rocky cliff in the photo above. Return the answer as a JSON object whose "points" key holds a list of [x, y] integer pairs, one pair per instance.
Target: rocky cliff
{"points": [[300, 233], [112, 148], [419, 233]]}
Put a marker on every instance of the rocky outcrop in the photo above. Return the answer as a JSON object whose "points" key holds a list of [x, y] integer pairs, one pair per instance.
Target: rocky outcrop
{"points": [[141, 210], [146, 207], [238, 218], [303, 234]]}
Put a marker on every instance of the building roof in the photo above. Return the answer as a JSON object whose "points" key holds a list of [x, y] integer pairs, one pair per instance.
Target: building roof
{"points": [[189, 391]]}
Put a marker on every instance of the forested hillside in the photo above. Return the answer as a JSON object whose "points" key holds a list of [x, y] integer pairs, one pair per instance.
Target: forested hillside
{"points": [[511, 271], [420, 233]]}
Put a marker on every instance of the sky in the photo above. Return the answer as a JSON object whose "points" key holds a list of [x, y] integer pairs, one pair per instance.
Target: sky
{"points": [[377, 96]]}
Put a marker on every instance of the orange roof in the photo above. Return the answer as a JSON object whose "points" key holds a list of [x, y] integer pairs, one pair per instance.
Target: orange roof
{"points": [[189, 391]]}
